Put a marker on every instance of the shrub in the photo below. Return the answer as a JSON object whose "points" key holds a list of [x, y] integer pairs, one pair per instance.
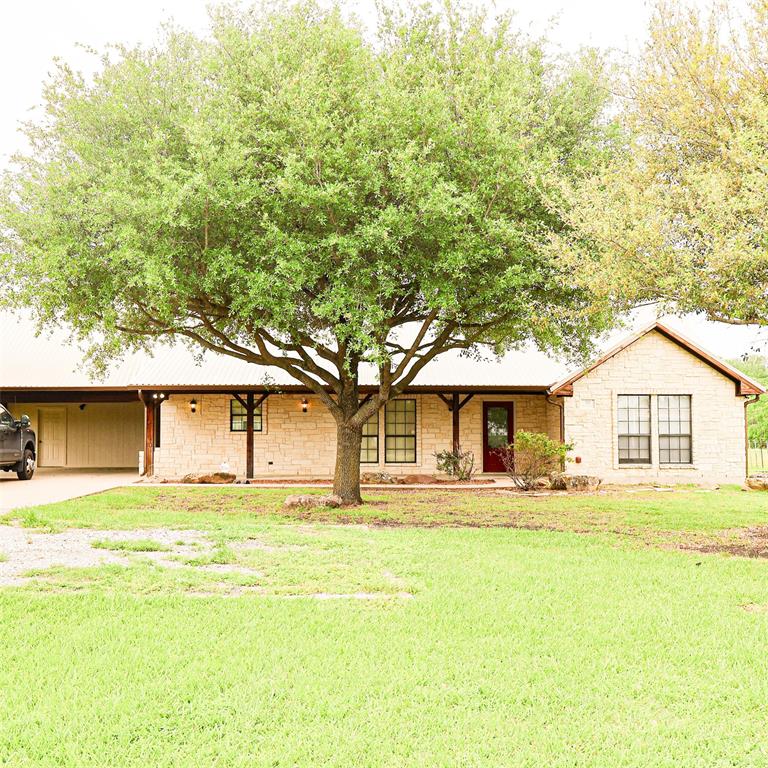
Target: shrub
{"points": [[532, 456], [458, 464]]}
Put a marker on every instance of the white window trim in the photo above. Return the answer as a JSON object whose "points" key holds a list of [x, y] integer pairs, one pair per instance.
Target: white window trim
{"points": [[654, 464]]}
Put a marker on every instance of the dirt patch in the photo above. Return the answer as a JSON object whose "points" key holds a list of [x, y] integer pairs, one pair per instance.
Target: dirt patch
{"points": [[351, 596], [755, 608], [747, 542]]}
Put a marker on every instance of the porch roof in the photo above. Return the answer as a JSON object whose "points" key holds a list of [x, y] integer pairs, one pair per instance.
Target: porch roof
{"points": [[51, 361]]}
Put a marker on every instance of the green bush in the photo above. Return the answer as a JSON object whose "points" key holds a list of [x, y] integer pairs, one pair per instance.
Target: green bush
{"points": [[458, 464], [532, 456]]}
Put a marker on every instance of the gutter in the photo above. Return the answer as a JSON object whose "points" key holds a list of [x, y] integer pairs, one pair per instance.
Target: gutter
{"points": [[747, 403], [561, 406]]}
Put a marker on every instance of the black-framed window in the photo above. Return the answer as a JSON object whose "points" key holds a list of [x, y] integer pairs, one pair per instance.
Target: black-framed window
{"points": [[238, 418], [400, 432], [634, 422], [369, 448], [674, 429]]}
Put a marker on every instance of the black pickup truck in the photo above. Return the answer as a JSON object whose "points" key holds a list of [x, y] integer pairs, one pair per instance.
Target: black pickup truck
{"points": [[18, 445]]}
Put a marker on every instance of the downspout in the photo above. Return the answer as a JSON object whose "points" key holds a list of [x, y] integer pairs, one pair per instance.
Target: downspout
{"points": [[561, 406], [747, 403]]}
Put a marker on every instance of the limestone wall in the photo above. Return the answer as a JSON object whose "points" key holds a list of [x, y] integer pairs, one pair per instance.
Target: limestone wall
{"points": [[297, 444], [654, 366]]}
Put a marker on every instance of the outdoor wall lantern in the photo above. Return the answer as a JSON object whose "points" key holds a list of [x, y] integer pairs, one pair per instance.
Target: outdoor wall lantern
{"points": [[193, 406], [304, 404]]}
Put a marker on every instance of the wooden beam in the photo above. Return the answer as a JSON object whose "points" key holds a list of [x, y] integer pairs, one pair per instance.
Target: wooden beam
{"points": [[249, 409], [455, 408], [365, 399], [158, 411], [465, 400], [240, 400], [445, 400], [262, 399], [68, 396], [149, 437]]}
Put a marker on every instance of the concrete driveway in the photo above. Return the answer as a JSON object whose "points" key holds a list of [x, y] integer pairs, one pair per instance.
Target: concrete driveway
{"points": [[49, 485]]}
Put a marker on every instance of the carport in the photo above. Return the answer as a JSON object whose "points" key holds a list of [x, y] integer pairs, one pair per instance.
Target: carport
{"points": [[83, 420], [84, 428]]}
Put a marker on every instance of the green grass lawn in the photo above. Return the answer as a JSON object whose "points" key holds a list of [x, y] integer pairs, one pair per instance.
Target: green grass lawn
{"points": [[549, 631]]}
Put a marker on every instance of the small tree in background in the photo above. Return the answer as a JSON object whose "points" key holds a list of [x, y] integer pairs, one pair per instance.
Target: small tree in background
{"points": [[533, 456], [679, 214], [756, 366], [295, 191]]}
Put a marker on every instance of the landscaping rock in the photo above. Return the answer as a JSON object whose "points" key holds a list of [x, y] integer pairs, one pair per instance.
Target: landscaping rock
{"points": [[377, 478], [417, 479], [563, 482], [758, 482], [309, 501], [214, 478]]}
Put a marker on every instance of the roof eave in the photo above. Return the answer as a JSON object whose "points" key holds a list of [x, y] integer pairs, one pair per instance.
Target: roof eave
{"points": [[744, 385]]}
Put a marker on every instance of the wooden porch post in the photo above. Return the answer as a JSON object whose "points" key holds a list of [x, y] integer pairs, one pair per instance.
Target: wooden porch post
{"points": [[249, 409], [455, 409], [149, 436]]}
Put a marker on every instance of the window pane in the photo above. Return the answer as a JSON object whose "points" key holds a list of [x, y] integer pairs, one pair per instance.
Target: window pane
{"points": [[634, 414], [634, 449], [675, 429], [497, 427], [238, 419], [400, 431], [634, 428], [369, 448]]}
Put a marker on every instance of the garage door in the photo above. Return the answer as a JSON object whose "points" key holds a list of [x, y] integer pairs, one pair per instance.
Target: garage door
{"points": [[88, 435]]}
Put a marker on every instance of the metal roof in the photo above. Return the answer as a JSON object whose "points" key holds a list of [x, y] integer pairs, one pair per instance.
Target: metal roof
{"points": [[52, 361]]}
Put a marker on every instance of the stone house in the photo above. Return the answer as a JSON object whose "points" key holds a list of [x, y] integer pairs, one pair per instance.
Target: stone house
{"points": [[655, 408]]}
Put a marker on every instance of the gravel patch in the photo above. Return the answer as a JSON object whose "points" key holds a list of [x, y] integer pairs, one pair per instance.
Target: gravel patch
{"points": [[26, 550]]}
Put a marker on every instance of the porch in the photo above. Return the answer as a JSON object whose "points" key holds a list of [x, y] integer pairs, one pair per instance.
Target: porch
{"points": [[290, 434]]}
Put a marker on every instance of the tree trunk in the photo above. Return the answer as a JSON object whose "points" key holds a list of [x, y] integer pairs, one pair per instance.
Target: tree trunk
{"points": [[346, 478]]}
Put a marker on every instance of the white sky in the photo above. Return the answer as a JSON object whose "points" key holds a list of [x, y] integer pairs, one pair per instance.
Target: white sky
{"points": [[36, 31]]}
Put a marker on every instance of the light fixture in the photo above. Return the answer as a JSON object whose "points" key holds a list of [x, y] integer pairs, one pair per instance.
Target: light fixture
{"points": [[193, 406], [304, 404]]}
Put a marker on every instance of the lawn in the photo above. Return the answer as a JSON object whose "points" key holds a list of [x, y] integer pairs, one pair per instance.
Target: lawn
{"points": [[423, 629]]}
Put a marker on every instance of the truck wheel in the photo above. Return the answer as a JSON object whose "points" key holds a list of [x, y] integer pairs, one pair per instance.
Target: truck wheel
{"points": [[27, 466]]}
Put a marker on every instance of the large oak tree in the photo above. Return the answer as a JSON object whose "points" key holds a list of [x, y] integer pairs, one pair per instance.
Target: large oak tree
{"points": [[296, 191]]}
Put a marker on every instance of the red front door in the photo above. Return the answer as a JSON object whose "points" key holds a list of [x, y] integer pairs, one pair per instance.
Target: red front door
{"points": [[498, 431]]}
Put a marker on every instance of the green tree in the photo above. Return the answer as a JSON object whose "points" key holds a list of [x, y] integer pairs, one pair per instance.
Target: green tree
{"points": [[680, 214], [756, 366], [295, 192]]}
